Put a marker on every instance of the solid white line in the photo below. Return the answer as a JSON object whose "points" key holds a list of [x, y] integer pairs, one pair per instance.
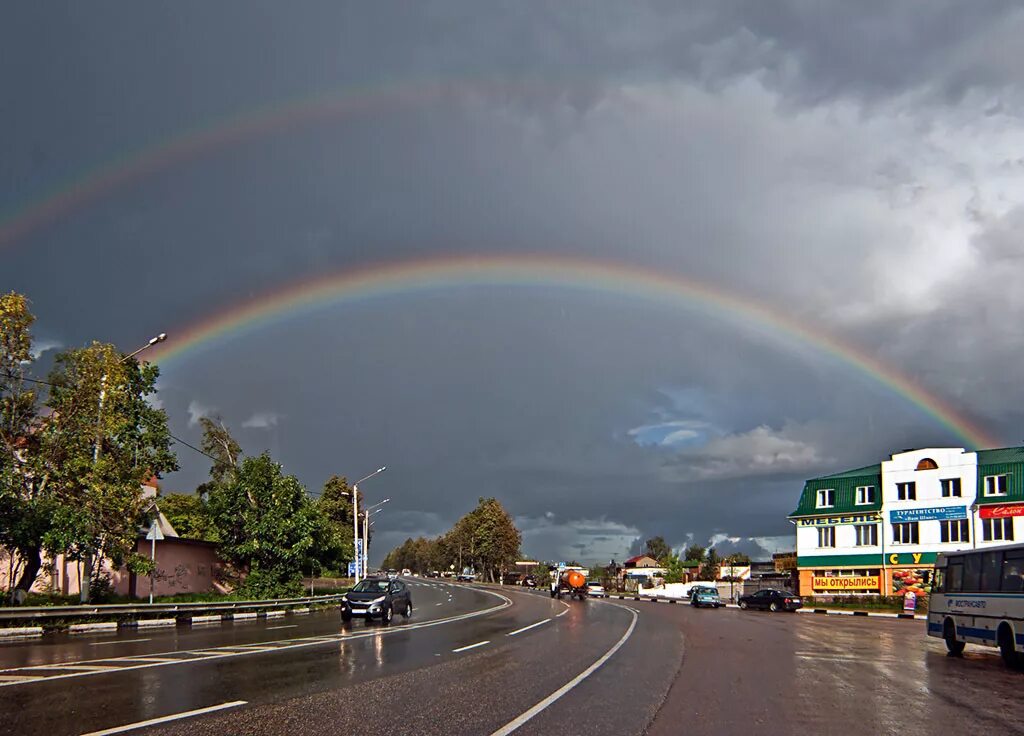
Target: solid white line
{"points": [[123, 641], [286, 626], [439, 604], [471, 646], [562, 613], [527, 628], [165, 719], [524, 717]]}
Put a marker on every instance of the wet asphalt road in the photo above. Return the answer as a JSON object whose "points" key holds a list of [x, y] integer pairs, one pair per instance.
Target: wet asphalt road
{"points": [[677, 670]]}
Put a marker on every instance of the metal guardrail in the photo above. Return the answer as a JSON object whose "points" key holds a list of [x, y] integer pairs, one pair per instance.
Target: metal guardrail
{"points": [[146, 609]]}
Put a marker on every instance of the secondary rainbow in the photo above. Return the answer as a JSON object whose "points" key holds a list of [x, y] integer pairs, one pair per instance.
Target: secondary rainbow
{"points": [[580, 274]]}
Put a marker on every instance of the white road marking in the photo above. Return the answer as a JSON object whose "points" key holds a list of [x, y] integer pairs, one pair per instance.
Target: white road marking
{"points": [[165, 719], [562, 613], [286, 626], [439, 604], [10, 676], [472, 646], [527, 628], [539, 707], [123, 641]]}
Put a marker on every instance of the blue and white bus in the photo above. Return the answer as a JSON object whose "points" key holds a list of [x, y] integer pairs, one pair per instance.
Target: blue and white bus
{"points": [[978, 597]]}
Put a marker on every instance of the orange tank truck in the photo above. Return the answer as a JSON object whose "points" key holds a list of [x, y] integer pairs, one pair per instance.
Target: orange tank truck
{"points": [[571, 582]]}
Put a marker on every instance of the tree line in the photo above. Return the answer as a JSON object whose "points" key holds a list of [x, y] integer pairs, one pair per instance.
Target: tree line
{"points": [[705, 560], [76, 447], [485, 540]]}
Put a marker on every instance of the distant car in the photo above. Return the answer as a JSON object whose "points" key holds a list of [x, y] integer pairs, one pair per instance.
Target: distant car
{"points": [[377, 598], [529, 582], [596, 590], [705, 597], [771, 600], [407, 572], [433, 574], [466, 577]]}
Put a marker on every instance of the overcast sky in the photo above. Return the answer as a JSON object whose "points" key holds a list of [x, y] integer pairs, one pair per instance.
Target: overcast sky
{"points": [[860, 172]]}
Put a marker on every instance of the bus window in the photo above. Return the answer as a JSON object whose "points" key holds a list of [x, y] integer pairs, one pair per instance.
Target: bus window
{"points": [[972, 573], [939, 581], [1013, 573], [991, 570], [954, 578]]}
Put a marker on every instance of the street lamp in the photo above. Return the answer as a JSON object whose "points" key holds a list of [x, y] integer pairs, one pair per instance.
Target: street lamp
{"points": [[83, 585], [355, 514], [366, 531]]}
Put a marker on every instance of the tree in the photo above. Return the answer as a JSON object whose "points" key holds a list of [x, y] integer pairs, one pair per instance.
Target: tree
{"points": [[189, 515], [266, 524], [709, 570], [334, 542], [222, 447], [71, 465], [674, 569], [695, 553], [657, 548]]}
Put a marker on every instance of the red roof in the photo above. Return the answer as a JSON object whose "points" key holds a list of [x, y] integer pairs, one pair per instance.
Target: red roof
{"points": [[153, 482], [634, 560]]}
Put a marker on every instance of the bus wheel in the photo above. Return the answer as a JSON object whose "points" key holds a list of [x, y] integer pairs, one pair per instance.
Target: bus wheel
{"points": [[956, 648], [1006, 648]]}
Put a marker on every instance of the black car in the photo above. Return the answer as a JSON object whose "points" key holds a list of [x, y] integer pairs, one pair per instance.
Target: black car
{"points": [[377, 598], [772, 600]]}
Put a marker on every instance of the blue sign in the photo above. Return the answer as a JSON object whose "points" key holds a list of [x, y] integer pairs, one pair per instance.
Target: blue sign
{"points": [[358, 564], [351, 569], [939, 513]]}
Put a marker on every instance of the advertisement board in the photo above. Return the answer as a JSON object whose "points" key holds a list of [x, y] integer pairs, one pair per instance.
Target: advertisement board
{"points": [[848, 582], [867, 518], [934, 513], [1001, 510]]}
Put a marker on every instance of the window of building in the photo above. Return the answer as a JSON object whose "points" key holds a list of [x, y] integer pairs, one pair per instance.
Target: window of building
{"points": [[826, 498], [865, 495], [955, 531], [995, 485], [997, 530], [827, 536], [951, 488], [927, 464], [906, 491], [867, 535], [905, 533]]}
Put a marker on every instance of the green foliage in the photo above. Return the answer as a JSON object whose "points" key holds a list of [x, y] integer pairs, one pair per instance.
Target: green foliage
{"points": [[189, 515], [695, 552], [219, 444], [71, 465], [334, 543], [709, 570], [485, 539], [657, 548], [674, 570], [266, 524]]}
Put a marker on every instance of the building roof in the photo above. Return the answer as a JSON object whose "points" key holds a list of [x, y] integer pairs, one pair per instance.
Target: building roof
{"points": [[845, 485], [635, 561], [1001, 455]]}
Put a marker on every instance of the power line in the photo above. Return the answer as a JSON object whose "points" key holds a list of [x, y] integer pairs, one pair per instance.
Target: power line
{"points": [[192, 447]]}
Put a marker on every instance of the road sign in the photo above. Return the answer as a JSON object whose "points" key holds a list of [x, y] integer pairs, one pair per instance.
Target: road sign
{"points": [[351, 569], [155, 535], [359, 558]]}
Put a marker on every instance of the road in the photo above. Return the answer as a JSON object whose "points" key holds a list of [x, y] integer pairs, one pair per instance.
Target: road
{"points": [[474, 661]]}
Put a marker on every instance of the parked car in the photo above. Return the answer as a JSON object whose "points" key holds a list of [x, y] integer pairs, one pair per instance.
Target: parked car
{"points": [[771, 600], [595, 589], [703, 596], [377, 598], [466, 577]]}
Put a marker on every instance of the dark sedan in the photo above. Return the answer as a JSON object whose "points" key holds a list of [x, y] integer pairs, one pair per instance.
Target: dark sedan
{"points": [[771, 600], [377, 598]]}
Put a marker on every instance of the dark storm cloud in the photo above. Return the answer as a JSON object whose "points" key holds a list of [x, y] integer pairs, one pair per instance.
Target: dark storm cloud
{"points": [[850, 167]]}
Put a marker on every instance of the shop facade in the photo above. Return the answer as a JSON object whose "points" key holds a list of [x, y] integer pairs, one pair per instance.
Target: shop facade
{"points": [[877, 530]]}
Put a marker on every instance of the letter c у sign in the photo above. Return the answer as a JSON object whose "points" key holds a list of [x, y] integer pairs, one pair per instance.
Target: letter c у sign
{"points": [[894, 559]]}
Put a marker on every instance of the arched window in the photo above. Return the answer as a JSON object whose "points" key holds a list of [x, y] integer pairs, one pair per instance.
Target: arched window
{"points": [[927, 464]]}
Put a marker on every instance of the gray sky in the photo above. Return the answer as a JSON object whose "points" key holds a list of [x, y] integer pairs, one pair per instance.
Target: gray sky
{"points": [[854, 168]]}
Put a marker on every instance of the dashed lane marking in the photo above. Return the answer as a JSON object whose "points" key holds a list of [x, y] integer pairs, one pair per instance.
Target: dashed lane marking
{"points": [[165, 719], [122, 641], [527, 628], [286, 626], [471, 646]]}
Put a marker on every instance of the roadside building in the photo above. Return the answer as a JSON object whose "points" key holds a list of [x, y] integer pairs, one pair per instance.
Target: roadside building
{"points": [[877, 530]]}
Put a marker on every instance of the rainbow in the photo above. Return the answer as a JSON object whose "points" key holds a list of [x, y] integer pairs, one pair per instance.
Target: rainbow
{"points": [[223, 132], [576, 273]]}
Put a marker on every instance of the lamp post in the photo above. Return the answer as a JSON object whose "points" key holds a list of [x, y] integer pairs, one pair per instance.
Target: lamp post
{"points": [[355, 515], [86, 580], [366, 532]]}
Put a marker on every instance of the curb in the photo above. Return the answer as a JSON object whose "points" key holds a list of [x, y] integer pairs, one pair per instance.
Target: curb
{"points": [[872, 614], [206, 620], [90, 628], [21, 632], [143, 623]]}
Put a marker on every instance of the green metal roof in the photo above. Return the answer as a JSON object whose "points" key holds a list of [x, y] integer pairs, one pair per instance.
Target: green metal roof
{"points": [[1008, 461], [845, 485]]}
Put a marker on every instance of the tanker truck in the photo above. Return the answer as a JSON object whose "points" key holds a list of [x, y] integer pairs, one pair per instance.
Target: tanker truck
{"points": [[571, 581]]}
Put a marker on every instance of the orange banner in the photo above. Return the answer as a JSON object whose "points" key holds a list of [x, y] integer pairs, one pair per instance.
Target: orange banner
{"points": [[845, 583]]}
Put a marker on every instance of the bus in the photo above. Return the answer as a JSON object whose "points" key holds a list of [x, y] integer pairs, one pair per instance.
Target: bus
{"points": [[978, 597]]}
